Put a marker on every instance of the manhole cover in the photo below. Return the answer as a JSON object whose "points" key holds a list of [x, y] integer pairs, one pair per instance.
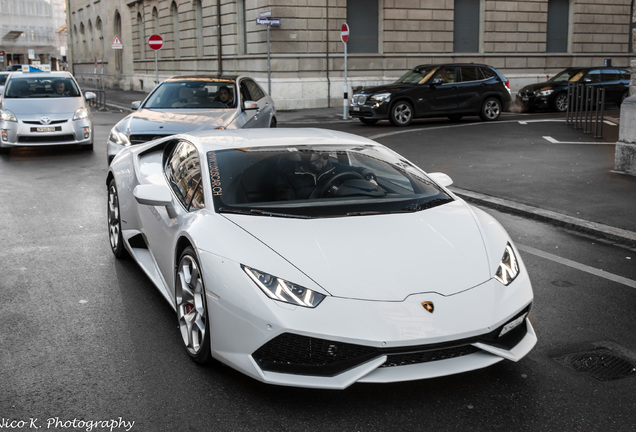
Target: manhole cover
{"points": [[600, 363]]}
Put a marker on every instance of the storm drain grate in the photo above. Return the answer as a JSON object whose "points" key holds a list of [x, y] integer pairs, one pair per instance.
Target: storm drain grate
{"points": [[601, 364]]}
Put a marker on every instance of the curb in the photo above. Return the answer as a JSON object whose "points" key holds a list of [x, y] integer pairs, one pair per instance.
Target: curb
{"points": [[601, 231]]}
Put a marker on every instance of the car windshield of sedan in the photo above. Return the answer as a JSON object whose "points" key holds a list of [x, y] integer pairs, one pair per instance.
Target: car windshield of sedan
{"points": [[41, 87], [565, 75], [417, 75], [319, 181], [193, 94]]}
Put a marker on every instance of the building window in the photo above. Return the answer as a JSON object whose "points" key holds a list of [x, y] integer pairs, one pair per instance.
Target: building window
{"points": [[466, 26], [198, 13], [119, 60], [174, 11], [240, 20], [155, 21], [142, 35], [558, 26], [100, 38], [363, 21]]}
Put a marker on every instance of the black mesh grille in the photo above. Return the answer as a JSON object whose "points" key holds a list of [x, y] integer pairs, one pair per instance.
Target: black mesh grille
{"points": [[303, 355], [142, 138]]}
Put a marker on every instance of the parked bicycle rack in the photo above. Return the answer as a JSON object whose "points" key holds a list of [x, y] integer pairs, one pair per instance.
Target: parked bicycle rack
{"points": [[99, 103], [586, 107]]}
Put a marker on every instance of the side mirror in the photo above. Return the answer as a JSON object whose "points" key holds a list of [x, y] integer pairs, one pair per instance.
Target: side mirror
{"points": [[89, 95], [441, 179], [250, 105], [437, 81], [135, 105], [156, 196]]}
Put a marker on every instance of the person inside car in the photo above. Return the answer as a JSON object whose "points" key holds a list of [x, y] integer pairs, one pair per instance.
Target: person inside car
{"points": [[225, 96], [316, 175], [59, 87]]}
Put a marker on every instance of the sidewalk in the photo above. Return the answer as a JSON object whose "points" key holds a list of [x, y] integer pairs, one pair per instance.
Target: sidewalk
{"points": [[610, 185]]}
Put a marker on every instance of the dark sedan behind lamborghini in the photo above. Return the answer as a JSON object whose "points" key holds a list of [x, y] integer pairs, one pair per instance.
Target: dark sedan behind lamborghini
{"points": [[552, 94]]}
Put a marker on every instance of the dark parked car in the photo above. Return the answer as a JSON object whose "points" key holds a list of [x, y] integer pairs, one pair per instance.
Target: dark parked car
{"points": [[443, 90], [552, 94]]}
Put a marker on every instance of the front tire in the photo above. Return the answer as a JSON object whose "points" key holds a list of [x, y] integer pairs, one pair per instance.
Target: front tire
{"points": [[401, 113], [561, 102], [114, 222], [490, 109], [192, 312]]}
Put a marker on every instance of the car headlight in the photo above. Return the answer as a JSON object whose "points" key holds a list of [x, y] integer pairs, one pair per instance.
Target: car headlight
{"points": [[508, 268], [382, 97], [118, 137], [7, 115], [545, 92], [80, 114], [282, 290]]}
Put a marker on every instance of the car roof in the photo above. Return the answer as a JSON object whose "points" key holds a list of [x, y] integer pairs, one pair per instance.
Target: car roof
{"points": [[55, 74], [212, 140], [453, 64], [202, 78]]}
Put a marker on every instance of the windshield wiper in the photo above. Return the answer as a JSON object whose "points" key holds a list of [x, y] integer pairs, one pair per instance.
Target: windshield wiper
{"points": [[411, 208], [257, 212]]}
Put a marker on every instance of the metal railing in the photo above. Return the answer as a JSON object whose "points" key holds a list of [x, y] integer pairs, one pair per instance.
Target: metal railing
{"points": [[99, 103], [585, 108]]}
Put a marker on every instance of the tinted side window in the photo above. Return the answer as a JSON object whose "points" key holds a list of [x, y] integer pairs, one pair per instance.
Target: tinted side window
{"points": [[594, 75], [612, 75], [447, 74], [469, 73], [487, 72], [183, 171]]}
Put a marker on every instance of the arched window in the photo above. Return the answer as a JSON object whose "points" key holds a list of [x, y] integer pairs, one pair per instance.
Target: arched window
{"points": [[76, 51], [100, 38], [119, 67], [82, 50], [142, 35], [91, 41], [174, 11], [155, 21], [198, 16]]}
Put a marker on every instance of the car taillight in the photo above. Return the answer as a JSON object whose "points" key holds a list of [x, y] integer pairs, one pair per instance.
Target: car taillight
{"points": [[507, 84]]}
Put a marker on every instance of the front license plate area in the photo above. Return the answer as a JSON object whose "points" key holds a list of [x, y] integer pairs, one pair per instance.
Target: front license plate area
{"points": [[45, 129]]}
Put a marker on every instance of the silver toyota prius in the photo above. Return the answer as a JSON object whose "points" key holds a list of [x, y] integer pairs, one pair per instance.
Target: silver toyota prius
{"points": [[44, 108]]}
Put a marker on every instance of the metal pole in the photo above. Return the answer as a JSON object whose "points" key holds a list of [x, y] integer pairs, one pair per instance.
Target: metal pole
{"points": [[345, 100], [269, 66], [156, 70]]}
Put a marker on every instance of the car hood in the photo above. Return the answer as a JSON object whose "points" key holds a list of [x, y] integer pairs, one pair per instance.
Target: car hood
{"points": [[171, 122], [387, 88], [32, 108], [544, 85], [381, 257]]}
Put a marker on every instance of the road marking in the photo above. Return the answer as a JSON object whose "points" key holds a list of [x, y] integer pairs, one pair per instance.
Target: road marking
{"points": [[556, 141], [578, 266]]}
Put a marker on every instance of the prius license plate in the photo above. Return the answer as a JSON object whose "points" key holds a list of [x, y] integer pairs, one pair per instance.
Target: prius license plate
{"points": [[45, 129]]}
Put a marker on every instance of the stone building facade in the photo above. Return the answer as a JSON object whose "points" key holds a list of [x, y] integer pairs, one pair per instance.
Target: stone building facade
{"points": [[33, 32], [303, 63]]}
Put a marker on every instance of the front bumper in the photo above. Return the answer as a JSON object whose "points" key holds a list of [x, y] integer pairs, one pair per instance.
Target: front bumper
{"points": [[361, 107], [344, 341], [59, 132]]}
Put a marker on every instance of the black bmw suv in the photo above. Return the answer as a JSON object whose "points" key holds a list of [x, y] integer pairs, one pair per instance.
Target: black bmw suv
{"points": [[552, 94], [443, 90]]}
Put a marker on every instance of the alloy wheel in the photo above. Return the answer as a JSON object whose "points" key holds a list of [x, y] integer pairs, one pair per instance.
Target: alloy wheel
{"points": [[191, 306], [401, 114]]}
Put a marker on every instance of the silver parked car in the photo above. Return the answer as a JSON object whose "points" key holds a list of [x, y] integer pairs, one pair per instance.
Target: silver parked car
{"points": [[44, 108], [188, 103]]}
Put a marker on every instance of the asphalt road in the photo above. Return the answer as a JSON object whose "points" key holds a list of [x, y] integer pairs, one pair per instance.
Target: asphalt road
{"points": [[86, 338]]}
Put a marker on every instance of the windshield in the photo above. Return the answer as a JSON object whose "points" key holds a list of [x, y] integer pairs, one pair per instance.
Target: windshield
{"points": [[3, 78], [417, 75], [319, 181], [565, 75], [41, 87], [192, 93]]}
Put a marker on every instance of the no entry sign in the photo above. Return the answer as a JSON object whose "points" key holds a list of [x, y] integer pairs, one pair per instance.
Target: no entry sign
{"points": [[155, 42], [344, 33]]}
